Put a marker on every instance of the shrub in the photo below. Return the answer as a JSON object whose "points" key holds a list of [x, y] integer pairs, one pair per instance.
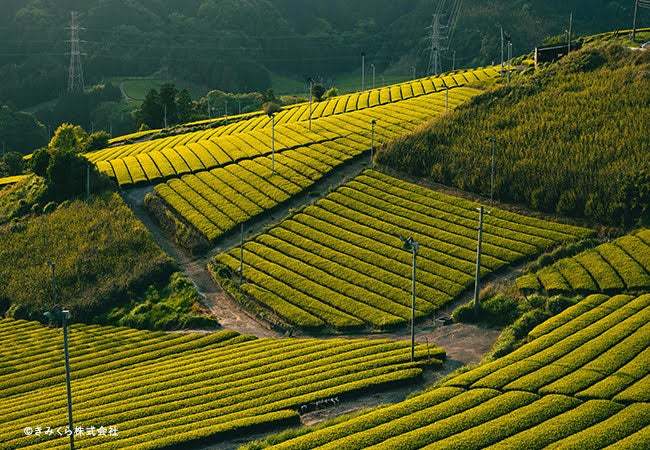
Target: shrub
{"points": [[97, 141], [39, 162], [527, 322], [11, 163], [496, 310], [555, 305], [331, 92], [50, 207]]}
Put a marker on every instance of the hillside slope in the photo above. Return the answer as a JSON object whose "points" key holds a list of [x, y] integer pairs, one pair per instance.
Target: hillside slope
{"points": [[569, 138]]}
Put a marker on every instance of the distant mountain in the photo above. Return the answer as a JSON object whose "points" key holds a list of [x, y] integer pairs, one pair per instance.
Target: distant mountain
{"points": [[235, 45]]}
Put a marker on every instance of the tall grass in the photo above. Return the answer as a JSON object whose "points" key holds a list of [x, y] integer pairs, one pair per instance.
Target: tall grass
{"points": [[571, 138], [99, 250]]}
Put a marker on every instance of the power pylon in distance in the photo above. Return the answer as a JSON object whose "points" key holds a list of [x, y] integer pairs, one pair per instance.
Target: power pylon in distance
{"points": [[441, 31], [75, 71]]}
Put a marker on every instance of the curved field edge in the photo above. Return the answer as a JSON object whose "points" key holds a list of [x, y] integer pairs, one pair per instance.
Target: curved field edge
{"points": [[578, 382], [622, 265], [204, 387]]}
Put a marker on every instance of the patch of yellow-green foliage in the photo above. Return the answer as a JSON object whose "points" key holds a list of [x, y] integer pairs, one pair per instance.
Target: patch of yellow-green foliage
{"points": [[341, 262], [163, 389], [581, 381]]}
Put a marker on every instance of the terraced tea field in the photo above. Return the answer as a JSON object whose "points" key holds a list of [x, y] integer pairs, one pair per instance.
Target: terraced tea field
{"points": [[215, 202], [193, 152], [300, 113], [340, 264], [580, 382], [161, 389], [621, 265]]}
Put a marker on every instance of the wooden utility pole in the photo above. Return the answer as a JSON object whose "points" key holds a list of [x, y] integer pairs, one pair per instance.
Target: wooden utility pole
{"points": [[477, 306]]}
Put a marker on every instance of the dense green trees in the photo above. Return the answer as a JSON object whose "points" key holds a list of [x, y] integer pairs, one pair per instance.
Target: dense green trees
{"points": [[235, 45], [20, 132]]}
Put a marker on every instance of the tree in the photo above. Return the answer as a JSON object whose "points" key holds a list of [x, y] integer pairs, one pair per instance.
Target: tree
{"points": [[184, 103], [39, 162], [317, 91], [66, 174], [271, 108], [97, 140], [168, 93], [151, 110], [20, 132], [268, 96], [69, 137], [11, 164]]}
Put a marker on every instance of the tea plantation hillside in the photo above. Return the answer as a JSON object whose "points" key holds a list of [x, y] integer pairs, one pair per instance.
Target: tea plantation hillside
{"points": [[162, 389], [568, 138], [621, 265], [339, 263], [93, 257], [581, 381]]}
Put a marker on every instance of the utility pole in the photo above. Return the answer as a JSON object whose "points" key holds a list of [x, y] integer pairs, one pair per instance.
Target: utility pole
{"points": [[638, 4], [372, 146], [509, 59], [66, 317], [59, 316], [165, 107], [226, 108], [453, 62], [494, 144], [363, 71], [239, 103], [311, 99], [502, 55], [414, 72], [209, 109], [413, 246], [372, 66], [75, 70], [241, 255], [88, 181], [273, 142], [477, 307], [570, 30]]}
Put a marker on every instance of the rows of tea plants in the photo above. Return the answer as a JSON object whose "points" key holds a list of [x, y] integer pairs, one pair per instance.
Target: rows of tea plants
{"points": [[191, 153], [215, 201], [580, 382], [300, 112], [340, 261], [621, 265], [162, 389]]}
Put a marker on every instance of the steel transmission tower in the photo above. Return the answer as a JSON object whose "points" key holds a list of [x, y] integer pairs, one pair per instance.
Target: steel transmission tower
{"points": [[75, 72], [441, 32], [638, 4]]}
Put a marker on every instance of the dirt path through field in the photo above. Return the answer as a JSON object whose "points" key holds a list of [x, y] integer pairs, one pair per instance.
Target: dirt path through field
{"points": [[228, 312]]}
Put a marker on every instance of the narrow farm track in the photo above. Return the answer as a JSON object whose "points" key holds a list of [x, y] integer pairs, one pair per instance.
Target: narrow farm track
{"points": [[229, 314]]}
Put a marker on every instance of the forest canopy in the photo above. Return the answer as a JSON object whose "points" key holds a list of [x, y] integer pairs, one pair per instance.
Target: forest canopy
{"points": [[236, 46]]}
